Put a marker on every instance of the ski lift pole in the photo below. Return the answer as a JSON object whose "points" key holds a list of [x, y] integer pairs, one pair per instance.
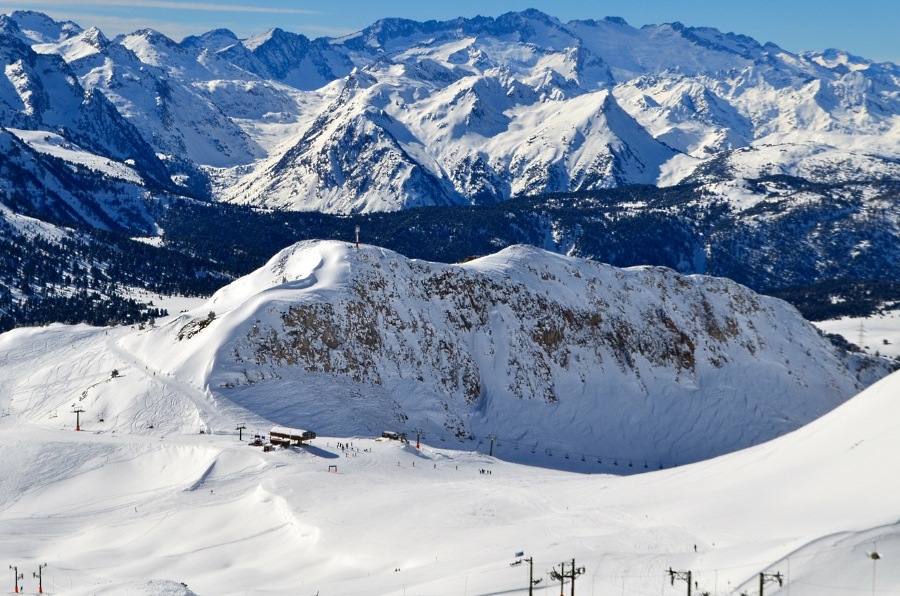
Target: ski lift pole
{"points": [[561, 576], [682, 575], [769, 577], [39, 577], [531, 581], [16, 576], [78, 411]]}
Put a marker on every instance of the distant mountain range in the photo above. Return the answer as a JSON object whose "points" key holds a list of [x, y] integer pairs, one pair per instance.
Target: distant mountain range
{"points": [[467, 111], [794, 158]]}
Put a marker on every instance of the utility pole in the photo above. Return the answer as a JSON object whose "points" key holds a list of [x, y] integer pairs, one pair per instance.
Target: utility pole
{"points": [[492, 437], [562, 576], [419, 434], [769, 577], [682, 575], [17, 576], [78, 411], [240, 428], [39, 578]]}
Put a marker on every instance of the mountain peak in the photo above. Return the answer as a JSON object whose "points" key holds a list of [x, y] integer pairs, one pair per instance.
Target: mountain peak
{"points": [[838, 60], [154, 37], [215, 40], [95, 37], [616, 21], [38, 28], [575, 338]]}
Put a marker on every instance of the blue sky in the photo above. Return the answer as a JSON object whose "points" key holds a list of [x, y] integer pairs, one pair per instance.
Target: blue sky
{"points": [[869, 28]]}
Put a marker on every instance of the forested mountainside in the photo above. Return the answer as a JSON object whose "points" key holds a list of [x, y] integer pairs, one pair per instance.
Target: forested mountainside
{"points": [[798, 253]]}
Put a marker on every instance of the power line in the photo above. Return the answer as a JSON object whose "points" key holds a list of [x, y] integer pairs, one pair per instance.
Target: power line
{"points": [[625, 461]]}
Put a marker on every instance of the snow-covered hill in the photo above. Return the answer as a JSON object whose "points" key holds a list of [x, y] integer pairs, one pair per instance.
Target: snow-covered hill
{"points": [[583, 364], [140, 502]]}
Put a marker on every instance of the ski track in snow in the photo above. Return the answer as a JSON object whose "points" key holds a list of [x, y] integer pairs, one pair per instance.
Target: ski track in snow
{"points": [[122, 508]]}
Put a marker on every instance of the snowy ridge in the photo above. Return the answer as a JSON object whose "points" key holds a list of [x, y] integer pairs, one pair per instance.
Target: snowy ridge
{"points": [[408, 114], [125, 508], [548, 352]]}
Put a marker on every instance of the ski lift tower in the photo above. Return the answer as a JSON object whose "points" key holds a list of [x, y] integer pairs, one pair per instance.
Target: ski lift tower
{"points": [[78, 411], [40, 577], [16, 576]]}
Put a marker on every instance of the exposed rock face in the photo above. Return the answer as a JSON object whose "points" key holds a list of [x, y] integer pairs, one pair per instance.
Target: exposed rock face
{"points": [[526, 345]]}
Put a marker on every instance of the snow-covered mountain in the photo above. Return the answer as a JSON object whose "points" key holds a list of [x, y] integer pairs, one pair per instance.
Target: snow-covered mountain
{"points": [[156, 495], [407, 114], [480, 110], [547, 352], [105, 133], [40, 92]]}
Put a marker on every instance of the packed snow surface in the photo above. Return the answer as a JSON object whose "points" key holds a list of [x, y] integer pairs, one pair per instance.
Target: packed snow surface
{"points": [[145, 510], [161, 492]]}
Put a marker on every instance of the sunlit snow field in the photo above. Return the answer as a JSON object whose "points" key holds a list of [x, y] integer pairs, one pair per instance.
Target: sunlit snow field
{"points": [[875, 334], [140, 512], [161, 492]]}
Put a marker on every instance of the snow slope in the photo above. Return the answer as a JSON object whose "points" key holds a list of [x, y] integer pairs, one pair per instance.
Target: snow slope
{"points": [[167, 510], [553, 355]]}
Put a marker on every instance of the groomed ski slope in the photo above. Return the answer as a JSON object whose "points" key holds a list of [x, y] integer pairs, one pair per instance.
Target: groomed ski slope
{"points": [[139, 511]]}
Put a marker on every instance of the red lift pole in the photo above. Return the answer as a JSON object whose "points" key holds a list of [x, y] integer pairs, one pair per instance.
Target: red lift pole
{"points": [[17, 576], [38, 575], [78, 411]]}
